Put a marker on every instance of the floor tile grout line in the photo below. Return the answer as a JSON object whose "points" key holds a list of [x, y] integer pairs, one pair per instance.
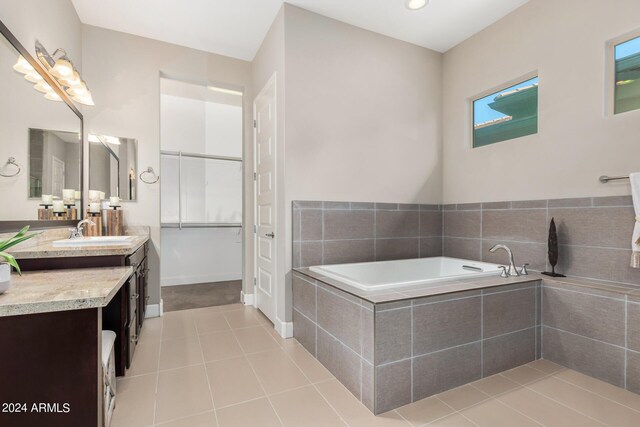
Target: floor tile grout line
{"points": [[255, 374], [183, 417], [552, 400], [559, 402], [206, 372], [598, 394]]}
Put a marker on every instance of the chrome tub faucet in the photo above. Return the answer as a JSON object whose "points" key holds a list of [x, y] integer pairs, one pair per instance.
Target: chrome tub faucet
{"points": [[511, 271]]}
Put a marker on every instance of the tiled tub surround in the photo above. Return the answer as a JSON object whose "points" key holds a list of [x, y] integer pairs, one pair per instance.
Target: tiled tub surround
{"points": [[594, 234], [391, 348], [343, 232], [394, 353]]}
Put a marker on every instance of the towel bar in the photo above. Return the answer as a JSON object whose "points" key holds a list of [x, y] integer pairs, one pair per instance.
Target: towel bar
{"points": [[604, 179]]}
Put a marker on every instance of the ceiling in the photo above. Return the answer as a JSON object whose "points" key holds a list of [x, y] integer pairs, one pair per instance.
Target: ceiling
{"points": [[236, 28]]}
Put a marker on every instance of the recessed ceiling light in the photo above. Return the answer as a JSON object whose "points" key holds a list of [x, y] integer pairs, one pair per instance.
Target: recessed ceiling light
{"points": [[415, 4]]}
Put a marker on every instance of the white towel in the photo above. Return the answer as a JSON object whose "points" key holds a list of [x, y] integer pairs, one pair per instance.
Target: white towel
{"points": [[634, 178]]}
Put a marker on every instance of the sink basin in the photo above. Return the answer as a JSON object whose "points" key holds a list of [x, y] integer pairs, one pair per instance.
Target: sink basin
{"points": [[94, 241]]}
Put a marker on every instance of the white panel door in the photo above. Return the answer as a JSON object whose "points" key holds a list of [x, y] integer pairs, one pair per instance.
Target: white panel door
{"points": [[264, 108]]}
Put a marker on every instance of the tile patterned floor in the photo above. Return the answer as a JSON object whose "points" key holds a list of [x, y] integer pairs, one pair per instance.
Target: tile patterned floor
{"points": [[225, 366]]}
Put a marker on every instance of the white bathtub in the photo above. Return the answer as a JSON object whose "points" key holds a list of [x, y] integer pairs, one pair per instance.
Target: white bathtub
{"points": [[372, 276]]}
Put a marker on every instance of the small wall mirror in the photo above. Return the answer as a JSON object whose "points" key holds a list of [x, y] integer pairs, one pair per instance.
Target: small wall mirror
{"points": [[113, 166], [54, 163]]}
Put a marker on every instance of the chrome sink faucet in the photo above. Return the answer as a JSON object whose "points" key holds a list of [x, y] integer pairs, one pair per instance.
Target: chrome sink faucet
{"points": [[77, 231], [511, 271]]}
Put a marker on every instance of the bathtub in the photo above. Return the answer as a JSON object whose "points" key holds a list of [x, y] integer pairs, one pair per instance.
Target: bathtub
{"points": [[373, 276]]}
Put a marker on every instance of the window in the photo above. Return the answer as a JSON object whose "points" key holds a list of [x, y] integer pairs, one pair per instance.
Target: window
{"points": [[506, 114], [627, 76]]}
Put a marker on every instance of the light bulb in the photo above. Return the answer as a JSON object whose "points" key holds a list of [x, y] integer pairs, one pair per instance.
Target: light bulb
{"points": [[52, 96], [43, 87], [23, 66], [72, 81], [79, 90], [84, 100], [33, 77], [63, 69], [415, 4]]}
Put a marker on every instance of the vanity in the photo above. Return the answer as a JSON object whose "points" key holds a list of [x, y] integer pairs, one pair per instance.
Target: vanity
{"points": [[52, 317]]}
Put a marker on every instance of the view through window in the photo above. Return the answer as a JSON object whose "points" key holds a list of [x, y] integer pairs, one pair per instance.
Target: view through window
{"points": [[506, 114], [627, 89]]}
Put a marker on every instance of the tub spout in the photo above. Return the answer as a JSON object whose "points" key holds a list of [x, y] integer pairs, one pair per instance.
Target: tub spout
{"points": [[512, 271]]}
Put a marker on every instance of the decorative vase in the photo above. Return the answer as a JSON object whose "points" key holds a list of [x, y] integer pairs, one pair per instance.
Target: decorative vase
{"points": [[5, 277]]}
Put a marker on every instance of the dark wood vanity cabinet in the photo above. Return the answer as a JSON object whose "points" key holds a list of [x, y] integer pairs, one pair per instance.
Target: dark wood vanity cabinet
{"points": [[125, 313]]}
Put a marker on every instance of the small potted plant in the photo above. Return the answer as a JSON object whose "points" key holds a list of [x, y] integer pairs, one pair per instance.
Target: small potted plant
{"points": [[9, 260]]}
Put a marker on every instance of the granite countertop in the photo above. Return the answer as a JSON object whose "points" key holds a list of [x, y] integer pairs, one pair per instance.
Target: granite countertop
{"points": [[62, 290], [47, 250], [446, 286]]}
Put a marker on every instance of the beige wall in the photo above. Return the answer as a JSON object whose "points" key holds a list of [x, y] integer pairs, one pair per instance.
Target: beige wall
{"points": [[54, 23], [359, 119], [564, 41], [123, 73]]}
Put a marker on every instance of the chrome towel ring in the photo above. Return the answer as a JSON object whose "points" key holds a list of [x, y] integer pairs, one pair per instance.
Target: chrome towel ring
{"points": [[11, 162], [149, 170]]}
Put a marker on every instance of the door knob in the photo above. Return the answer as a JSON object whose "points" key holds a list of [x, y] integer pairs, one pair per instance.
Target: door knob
{"points": [[272, 235]]}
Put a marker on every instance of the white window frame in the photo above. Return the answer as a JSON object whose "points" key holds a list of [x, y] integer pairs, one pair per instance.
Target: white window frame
{"points": [[610, 74]]}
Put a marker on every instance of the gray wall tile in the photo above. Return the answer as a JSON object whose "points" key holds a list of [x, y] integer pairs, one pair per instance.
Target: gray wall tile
{"points": [[508, 351], [310, 224], [430, 224], [310, 254], [529, 204], [366, 333], [515, 225], [336, 205], [534, 254], [339, 225], [613, 201], [430, 247], [304, 296], [390, 249], [462, 224], [469, 206], [508, 312], [393, 386], [307, 204], [633, 371], [392, 335], [363, 205], [570, 203], [296, 255], [340, 318], [588, 315], [444, 370], [368, 391], [496, 205], [597, 263], [594, 358], [397, 224], [386, 206], [408, 207], [304, 330], [346, 251], [445, 324], [462, 248], [608, 227], [633, 326], [343, 363]]}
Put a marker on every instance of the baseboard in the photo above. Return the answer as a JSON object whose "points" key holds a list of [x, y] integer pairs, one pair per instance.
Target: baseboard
{"points": [[154, 310], [247, 299], [195, 279], [285, 329]]}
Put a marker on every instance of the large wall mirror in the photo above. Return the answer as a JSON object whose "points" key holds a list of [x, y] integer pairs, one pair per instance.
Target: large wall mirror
{"points": [[40, 142], [113, 166]]}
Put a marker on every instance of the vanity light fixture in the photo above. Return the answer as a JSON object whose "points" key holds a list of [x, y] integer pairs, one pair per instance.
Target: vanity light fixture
{"points": [[61, 68], [415, 4]]}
